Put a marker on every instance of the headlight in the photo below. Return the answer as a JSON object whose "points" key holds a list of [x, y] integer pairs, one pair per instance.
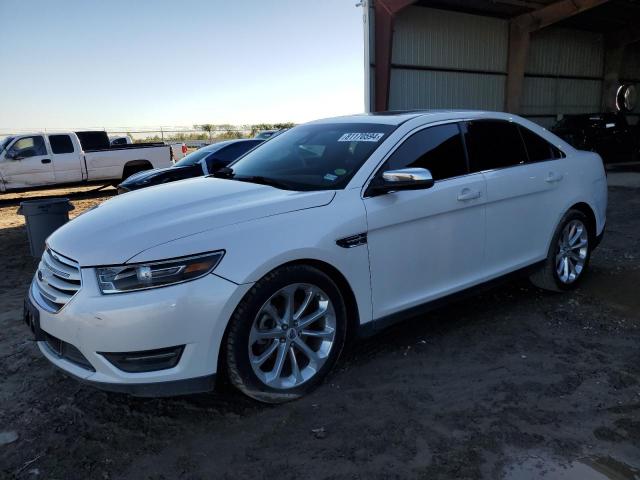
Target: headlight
{"points": [[141, 276]]}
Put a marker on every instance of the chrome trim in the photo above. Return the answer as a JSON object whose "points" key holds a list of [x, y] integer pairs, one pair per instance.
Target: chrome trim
{"points": [[352, 241], [57, 280], [159, 262], [407, 175]]}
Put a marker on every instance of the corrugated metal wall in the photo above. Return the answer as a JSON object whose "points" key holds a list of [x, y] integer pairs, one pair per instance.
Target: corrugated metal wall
{"points": [[427, 37], [446, 59], [434, 54], [563, 74]]}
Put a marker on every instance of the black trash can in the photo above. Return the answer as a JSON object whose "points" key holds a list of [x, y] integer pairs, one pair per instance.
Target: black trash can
{"points": [[43, 217]]}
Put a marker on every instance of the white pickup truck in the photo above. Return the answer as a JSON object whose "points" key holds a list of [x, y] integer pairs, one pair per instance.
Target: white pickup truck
{"points": [[28, 161]]}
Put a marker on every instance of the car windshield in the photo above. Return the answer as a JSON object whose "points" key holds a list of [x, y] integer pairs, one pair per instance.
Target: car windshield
{"points": [[311, 157], [198, 155], [4, 142]]}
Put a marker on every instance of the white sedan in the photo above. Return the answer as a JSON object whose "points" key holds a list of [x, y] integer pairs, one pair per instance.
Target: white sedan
{"points": [[332, 229]]}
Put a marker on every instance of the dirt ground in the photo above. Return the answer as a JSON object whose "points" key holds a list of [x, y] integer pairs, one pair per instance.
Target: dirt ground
{"points": [[514, 384]]}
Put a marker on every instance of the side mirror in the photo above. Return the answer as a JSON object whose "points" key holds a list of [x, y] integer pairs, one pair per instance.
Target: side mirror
{"points": [[11, 156], [402, 179]]}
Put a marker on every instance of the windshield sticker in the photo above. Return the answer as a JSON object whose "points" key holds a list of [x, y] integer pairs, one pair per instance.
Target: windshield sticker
{"points": [[361, 137], [330, 177], [339, 171]]}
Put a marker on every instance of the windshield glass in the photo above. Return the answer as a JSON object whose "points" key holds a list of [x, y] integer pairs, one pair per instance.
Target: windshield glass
{"points": [[4, 142], [195, 157], [313, 157]]}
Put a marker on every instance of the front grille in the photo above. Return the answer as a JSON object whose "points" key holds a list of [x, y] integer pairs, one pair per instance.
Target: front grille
{"points": [[58, 279]]}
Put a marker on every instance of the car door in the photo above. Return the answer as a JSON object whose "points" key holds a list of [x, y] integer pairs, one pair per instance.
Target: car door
{"points": [[66, 159], [27, 163], [522, 195], [424, 244]]}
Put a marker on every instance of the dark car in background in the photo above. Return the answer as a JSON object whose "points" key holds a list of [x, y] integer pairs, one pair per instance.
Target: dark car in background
{"points": [[203, 161], [608, 134]]}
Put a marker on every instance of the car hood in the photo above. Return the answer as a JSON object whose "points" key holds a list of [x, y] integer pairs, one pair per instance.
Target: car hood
{"points": [[140, 177], [128, 224]]}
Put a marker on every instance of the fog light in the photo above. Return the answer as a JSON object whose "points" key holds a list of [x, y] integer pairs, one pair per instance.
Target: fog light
{"points": [[146, 360]]}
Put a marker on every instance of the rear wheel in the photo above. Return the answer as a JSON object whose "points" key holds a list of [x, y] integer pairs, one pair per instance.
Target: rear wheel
{"points": [[569, 254], [286, 334], [133, 169]]}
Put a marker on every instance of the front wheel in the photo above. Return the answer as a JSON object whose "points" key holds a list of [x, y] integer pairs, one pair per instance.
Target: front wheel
{"points": [[569, 254], [286, 334]]}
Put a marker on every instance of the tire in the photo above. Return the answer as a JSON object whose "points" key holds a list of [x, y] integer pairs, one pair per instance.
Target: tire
{"points": [[549, 276], [262, 348], [128, 171]]}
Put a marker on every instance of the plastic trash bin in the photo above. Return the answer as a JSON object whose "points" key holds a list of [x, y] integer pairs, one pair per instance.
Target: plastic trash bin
{"points": [[43, 217]]}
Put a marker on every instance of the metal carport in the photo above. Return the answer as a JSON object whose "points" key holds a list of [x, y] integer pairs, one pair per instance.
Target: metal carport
{"points": [[539, 58]]}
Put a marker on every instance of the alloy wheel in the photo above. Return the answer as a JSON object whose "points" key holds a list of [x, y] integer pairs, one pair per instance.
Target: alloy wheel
{"points": [[572, 252], [292, 335]]}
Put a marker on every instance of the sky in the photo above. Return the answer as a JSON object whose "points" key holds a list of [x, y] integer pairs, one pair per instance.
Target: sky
{"points": [[124, 63]]}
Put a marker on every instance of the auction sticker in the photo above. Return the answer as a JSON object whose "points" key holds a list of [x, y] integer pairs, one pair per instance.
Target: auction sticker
{"points": [[361, 137]]}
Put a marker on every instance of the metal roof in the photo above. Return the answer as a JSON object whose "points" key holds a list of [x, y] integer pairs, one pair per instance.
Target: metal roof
{"points": [[610, 17]]}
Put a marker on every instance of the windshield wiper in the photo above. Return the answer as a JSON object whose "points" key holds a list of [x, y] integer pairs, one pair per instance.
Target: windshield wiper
{"points": [[227, 173], [224, 172], [272, 182]]}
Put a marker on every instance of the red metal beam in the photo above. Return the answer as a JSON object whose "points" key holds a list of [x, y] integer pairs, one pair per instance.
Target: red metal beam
{"points": [[385, 11], [553, 13], [520, 29]]}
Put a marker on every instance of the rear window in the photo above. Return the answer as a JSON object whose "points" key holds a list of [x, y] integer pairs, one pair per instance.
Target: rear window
{"points": [[494, 144], [61, 144], [235, 150], [538, 149]]}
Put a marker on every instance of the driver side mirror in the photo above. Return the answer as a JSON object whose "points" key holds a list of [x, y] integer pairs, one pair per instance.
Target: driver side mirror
{"points": [[11, 156], [401, 179]]}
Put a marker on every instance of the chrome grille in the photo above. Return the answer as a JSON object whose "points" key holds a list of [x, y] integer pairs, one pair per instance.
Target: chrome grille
{"points": [[57, 280]]}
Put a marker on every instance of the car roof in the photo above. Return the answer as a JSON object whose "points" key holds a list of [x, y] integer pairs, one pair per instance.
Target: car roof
{"points": [[224, 143], [400, 116]]}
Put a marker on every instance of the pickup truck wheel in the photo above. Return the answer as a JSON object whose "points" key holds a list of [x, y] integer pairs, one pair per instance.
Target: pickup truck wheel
{"points": [[569, 254], [131, 170], [286, 334]]}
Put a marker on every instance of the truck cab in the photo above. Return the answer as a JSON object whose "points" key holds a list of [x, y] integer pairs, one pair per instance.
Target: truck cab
{"points": [[41, 159]]}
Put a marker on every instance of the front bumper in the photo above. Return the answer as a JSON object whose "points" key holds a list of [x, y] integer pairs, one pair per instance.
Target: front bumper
{"points": [[193, 314]]}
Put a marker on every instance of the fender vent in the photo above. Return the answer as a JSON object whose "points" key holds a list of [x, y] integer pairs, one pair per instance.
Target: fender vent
{"points": [[352, 241]]}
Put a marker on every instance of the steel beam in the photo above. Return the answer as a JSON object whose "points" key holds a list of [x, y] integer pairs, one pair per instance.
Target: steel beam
{"points": [[520, 29], [554, 12], [385, 11]]}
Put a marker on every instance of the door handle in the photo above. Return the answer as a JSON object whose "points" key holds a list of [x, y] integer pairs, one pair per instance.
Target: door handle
{"points": [[45, 160], [554, 177], [468, 194]]}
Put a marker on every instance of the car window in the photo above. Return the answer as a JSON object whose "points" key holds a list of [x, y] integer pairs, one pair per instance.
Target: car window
{"points": [[494, 144], [438, 149], [27, 147], [61, 144], [200, 154], [538, 149], [319, 156], [235, 150]]}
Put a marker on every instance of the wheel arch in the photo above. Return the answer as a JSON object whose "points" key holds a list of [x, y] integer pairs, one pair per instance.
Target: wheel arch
{"points": [[351, 304], [590, 214], [136, 166]]}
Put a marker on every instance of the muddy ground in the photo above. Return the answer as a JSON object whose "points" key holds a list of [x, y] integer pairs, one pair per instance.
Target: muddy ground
{"points": [[516, 383]]}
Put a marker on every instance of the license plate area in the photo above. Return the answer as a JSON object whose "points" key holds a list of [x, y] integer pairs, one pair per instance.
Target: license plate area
{"points": [[31, 317]]}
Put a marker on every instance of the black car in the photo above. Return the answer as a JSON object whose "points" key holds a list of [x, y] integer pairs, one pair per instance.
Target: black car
{"points": [[204, 161], [608, 134]]}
